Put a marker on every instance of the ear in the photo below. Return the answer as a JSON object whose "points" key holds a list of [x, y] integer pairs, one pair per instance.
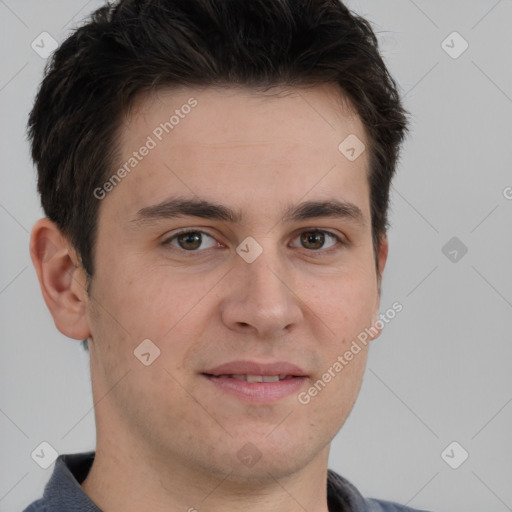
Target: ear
{"points": [[382, 257], [61, 278]]}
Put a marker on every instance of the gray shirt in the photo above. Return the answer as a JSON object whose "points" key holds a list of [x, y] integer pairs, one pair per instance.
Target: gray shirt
{"points": [[64, 494]]}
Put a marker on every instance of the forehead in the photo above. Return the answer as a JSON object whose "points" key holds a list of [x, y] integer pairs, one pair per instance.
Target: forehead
{"points": [[245, 146], [321, 109]]}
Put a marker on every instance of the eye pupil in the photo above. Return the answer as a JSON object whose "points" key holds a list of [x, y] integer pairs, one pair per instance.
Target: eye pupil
{"points": [[316, 238], [194, 239]]}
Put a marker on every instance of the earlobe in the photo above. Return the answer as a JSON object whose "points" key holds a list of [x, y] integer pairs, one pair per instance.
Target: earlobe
{"points": [[61, 278]]}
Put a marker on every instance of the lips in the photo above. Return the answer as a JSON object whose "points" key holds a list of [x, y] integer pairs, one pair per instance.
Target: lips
{"points": [[246, 369], [257, 382]]}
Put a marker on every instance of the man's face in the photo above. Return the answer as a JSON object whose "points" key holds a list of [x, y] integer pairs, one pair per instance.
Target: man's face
{"points": [[210, 299]]}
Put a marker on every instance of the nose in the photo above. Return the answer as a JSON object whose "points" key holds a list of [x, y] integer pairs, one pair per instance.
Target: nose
{"points": [[261, 300]]}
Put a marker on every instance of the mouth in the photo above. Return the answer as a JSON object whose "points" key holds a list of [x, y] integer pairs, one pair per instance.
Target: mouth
{"points": [[257, 382], [254, 378]]}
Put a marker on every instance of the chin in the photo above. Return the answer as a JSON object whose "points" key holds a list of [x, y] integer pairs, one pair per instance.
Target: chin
{"points": [[262, 460]]}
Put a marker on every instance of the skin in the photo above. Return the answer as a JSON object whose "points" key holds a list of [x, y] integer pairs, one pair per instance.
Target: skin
{"points": [[167, 439]]}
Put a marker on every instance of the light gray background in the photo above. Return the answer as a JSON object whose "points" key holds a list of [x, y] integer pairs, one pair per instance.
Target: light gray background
{"points": [[441, 370]]}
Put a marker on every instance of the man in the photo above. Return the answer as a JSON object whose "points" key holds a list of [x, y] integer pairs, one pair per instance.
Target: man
{"points": [[215, 175]]}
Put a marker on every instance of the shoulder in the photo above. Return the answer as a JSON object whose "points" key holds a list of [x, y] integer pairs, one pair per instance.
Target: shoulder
{"points": [[344, 496], [63, 492], [37, 506], [374, 505]]}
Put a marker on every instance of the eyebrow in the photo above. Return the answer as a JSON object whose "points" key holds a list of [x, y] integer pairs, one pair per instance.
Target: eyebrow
{"points": [[183, 207]]}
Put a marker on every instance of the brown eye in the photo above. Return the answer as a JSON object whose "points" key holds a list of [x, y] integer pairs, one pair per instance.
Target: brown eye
{"points": [[190, 241], [312, 239], [316, 239]]}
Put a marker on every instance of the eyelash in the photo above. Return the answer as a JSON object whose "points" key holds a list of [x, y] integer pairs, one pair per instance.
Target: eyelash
{"points": [[315, 252]]}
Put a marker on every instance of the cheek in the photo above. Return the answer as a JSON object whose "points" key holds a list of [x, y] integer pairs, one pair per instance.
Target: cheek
{"points": [[345, 308], [344, 302], [327, 402], [148, 304]]}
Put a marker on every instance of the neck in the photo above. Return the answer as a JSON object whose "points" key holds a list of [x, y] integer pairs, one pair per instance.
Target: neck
{"points": [[130, 480]]}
